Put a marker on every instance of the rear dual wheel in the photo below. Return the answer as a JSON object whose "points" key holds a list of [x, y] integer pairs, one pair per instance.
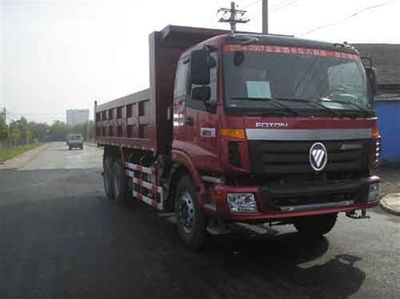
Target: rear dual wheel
{"points": [[121, 183], [108, 177], [116, 183]]}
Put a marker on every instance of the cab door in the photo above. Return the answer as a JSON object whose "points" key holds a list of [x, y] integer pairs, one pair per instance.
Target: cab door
{"points": [[195, 121]]}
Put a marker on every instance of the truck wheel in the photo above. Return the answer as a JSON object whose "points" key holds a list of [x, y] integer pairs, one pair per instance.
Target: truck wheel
{"points": [[121, 183], [108, 177], [70, 147], [191, 221], [315, 226]]}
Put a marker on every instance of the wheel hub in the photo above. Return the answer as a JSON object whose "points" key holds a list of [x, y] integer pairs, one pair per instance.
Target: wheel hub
{"points": [[186, 212]]}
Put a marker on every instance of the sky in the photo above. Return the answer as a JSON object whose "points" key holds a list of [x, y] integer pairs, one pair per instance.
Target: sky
{"points": [[59, 55]]}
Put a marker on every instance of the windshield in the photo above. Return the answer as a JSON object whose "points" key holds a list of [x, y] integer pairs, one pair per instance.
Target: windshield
{"points": [[304, 80], [76, 137]]}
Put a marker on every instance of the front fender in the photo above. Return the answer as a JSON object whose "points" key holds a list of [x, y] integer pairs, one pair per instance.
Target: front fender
{"points": [[183, 158]]}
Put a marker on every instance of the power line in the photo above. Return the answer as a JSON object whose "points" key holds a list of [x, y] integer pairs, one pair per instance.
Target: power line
{"points": [[283, 4], [354, 14], [251, 4], [275, 7], [265, 8]]}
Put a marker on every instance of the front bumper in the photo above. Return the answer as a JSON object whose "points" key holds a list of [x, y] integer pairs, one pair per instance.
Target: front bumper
{"points": [[277, 202], [75, 144]]}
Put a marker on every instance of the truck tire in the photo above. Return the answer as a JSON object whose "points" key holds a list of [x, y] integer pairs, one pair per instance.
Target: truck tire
{"points": [[191, 222], [70, 147], [315, 226], [121, 183], [108, 177]]}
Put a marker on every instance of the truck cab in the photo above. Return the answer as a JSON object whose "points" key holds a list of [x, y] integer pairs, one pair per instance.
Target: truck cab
{"points": [[278, 127]]}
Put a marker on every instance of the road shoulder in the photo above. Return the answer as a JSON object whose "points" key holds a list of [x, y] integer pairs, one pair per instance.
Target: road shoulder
{"points": [[90, 144], [22, 159], [391, 203]]}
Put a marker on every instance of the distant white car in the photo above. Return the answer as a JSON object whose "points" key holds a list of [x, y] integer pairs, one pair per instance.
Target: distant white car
{"points": [[75, 141]]}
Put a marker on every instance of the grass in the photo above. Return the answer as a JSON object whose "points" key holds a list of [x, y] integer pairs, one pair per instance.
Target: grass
{"points": [[8, 153]]}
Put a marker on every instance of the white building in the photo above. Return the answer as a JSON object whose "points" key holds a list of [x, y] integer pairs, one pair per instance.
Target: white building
{"points": [[77, 116]]}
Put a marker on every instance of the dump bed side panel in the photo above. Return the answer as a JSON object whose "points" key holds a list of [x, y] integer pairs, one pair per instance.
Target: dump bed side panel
{"points": [[127, 121]]}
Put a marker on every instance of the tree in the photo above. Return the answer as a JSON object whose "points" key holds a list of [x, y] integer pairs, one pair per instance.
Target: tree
{"points": [[58, 131], [15, 136], [40, 131], [3, 130], [20, 133]]}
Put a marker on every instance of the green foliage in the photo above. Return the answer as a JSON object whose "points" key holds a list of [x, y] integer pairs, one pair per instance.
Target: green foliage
{"points": [[59, 130], [10, 152], [22, 131], [3, 130]]}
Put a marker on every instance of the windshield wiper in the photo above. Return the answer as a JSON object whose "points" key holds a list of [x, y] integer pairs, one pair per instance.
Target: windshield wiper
{"points": [[360, 108], [270, 100], [315, 103]]}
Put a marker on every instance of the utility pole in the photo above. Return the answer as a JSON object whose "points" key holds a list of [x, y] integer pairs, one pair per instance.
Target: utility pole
{"points": [[235, 16], [265, 16]]}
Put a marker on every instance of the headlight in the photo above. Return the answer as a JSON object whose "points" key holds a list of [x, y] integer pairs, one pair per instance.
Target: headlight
{"points": [[242, 202], [373, 194]]}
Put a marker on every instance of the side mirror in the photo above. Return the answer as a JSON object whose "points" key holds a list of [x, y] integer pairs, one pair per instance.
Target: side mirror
{"points": [[200, 67], [371, 75], [370, 71], [201, 93]]}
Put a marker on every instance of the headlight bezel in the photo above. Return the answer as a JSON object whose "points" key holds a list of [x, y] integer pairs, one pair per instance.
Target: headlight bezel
{"points": [[243, 202]]}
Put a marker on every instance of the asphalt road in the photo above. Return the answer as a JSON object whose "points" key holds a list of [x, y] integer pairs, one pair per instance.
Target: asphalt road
{"points": [[61, 238]]}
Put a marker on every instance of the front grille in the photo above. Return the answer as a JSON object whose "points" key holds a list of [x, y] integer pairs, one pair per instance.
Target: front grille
{"points": [[292, 157], [234, 153]]}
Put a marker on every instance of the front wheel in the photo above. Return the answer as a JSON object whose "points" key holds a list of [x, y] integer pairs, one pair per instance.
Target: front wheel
{"points": [[191, 221], [315, 226]]}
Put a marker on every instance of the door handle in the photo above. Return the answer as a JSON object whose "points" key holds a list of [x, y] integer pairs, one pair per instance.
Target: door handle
{"points": [[189, 121]]}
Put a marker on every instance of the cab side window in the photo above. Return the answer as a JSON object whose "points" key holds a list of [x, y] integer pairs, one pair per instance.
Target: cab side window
{"points": [[181, 82]]}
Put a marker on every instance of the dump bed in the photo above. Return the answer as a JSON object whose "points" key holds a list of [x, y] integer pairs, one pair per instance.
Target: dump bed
{"points": [[142, 120]]}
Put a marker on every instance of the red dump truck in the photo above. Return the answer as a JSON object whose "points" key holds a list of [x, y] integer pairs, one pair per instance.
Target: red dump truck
{"points": [[240, 127]]}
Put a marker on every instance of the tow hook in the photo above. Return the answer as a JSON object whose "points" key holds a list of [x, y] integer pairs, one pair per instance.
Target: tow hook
{"points": [[356, 215]]}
